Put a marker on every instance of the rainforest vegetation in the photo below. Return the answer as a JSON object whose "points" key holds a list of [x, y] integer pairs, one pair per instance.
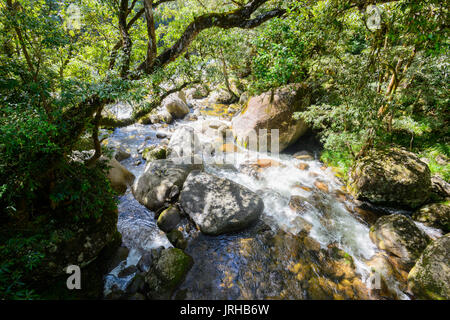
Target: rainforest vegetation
{"points": [[379, 79]]}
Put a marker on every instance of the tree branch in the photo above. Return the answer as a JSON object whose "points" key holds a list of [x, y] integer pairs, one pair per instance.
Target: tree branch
{"points": [[239, 18]]}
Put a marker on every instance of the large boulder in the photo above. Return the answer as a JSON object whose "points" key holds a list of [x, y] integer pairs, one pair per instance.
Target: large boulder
{"points": [[395, 178], [184, 142], [219, 205], [176, 107], [430, 277], [399, 235], [165, 275], [160, 183], [436, 215], [272, 111], [119, 176]]}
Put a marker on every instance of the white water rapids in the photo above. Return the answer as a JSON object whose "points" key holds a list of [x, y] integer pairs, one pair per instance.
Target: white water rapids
{"points": [[275, 185]]}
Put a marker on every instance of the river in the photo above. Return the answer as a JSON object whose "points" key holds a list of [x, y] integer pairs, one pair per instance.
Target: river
{"points": [[323, 254]]}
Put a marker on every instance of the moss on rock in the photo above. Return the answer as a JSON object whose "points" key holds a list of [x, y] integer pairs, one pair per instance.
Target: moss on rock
{"points": [[430, 277], [395, 178], [436, 215], [155, 152], [168, 273], [398, 235]]}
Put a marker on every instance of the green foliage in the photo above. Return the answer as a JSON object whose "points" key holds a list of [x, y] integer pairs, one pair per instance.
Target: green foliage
{"points": [[17, 257], [438, 160], [358, 107], [341, 161], [82, 192], [378, 88], [280, 53]]}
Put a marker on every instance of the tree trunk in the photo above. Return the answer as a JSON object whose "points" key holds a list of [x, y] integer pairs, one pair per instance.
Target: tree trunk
{"points": [[151, 48]]}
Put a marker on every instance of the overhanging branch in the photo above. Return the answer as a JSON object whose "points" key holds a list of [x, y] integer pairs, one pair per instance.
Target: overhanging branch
{"points": [[239, 18]]}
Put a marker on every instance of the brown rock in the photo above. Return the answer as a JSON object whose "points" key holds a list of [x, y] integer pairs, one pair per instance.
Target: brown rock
{"points": [[273, 110], [265, 163], [303, 166], [321, 186]]}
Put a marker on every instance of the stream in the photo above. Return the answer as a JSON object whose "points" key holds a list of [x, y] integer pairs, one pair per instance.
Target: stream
{"points": [[323, 254]]}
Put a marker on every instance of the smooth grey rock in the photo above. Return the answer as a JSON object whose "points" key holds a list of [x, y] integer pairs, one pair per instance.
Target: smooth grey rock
{"points": [[219, 205], [155, 185]]}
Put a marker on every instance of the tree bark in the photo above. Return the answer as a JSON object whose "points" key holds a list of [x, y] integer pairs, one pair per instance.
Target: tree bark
{"points": [[151, 48], [126, 40], [239, 18]]}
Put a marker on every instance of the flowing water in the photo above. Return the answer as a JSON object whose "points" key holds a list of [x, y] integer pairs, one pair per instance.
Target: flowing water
{"points": [[321, 254]]}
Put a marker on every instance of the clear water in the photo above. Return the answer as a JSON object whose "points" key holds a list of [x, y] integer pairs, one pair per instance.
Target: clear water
{"points": [[224, 268]]}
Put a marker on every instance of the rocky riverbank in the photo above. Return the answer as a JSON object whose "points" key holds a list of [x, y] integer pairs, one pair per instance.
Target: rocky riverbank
{"points": [[263, 227]]}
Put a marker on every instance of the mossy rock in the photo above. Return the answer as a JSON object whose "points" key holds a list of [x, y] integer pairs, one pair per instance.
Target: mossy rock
{"points": [[436, 215], [169, 219], [399, 235], [394, 177], [176, 239], [168, 273], [155, 152], [430, 277]]}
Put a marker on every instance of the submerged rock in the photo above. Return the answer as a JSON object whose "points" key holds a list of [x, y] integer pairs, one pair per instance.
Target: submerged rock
{"points": [[322, 186], [384, 285], [430, 277], [303, 155], [299, 204], [159, 181], [399, 235], [219, 205], [272, 111], [250, 169], [395, 178], [436, 215], [302, 166]]}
